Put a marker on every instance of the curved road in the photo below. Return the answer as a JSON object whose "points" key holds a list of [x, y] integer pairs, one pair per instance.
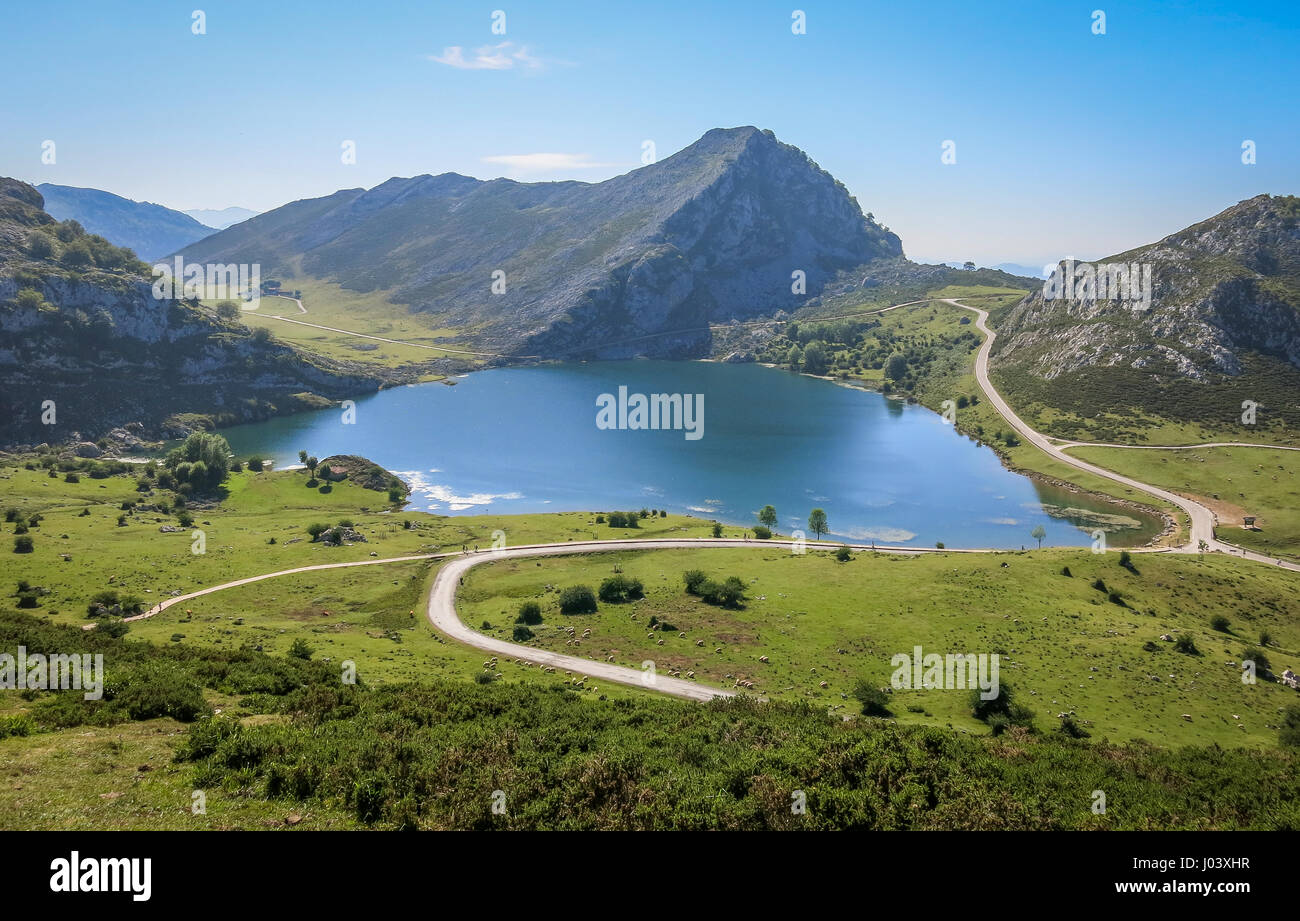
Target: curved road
{"points": [[442, 598], [442, 601], [1202, 519]]}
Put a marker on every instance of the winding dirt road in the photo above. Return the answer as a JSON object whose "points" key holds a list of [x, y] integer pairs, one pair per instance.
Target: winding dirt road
{"points": [[1202, 519]]}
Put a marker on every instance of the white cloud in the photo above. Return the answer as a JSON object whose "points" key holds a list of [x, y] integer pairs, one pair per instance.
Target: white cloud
{"points": [[505, 56], [546, 162]]}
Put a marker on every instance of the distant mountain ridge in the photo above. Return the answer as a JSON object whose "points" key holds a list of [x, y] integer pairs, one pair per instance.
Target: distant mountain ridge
{"points": [[220, 218], [152, 231], [639, 264]]}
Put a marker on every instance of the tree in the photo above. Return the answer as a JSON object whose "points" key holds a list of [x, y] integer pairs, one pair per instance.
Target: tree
{"points": [[767, 516], [312, 464], [875, 702], [202, 460], [578, 599], [794, 358], [969, 266], [300, 649], [817, 522], [717, 529], [1202, 546], [620, 589], [302, 457], [530, 612], [227, 310], [814, 358], [317, 529], [896, 367], [1038, 533]]}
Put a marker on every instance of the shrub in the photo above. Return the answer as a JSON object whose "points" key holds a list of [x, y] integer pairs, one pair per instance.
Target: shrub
{"points": [[875, 702], [762, 532], [843, 554], [1002, 711], [1065, 571], [717, 529], [114, 628], [578, 599], [620, 589], [317, 529], [484, 677], [23, 544], [1220, 623], [1186, 645], [1071, 727], [522, 634], [694, 579], [530, 612], [300, 649], [1099, 585], [71, 477], [1288, 733], [728, 594], [1251, 654]]}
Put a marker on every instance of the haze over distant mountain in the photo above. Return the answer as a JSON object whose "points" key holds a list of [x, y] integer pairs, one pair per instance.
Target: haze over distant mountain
{"points": [[636, 265], [1223, 327], [222, 218], [151, 230]]}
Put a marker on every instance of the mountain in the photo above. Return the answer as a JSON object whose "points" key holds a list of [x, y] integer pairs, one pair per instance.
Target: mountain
{"points": [[1020, 268], [222, 218], [83, 337], [1223, 326], [636, 265], [152, 231]]}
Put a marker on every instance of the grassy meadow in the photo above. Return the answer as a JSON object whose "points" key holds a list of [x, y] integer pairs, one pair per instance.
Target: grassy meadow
{"points": [[1066, 647]]}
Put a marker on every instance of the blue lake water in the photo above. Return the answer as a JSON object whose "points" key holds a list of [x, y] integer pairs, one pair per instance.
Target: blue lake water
{"points": [[520, 440]]}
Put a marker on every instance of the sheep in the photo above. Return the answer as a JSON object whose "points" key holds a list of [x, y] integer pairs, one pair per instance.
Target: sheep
{"points": [[762, 658]]}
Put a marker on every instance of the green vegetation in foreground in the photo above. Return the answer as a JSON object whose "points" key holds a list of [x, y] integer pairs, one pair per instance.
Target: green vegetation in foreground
{"points": [[1235, 482], [1065, 645], [432, 729], [282, 743]]}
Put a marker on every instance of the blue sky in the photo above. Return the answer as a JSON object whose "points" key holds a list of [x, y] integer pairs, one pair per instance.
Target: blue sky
{"points": [[1068, 143]]}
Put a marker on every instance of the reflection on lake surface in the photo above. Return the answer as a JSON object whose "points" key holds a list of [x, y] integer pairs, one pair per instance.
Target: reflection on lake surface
{"points": [[519, 440]]}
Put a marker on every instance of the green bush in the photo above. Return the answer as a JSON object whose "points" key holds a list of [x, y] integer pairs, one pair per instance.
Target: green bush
{"points": [[522, 634], [530, 612], [577, 599], [619, 589], [875, 702], [1220, 623], [843, 554], [694, 579], [762, 532]]}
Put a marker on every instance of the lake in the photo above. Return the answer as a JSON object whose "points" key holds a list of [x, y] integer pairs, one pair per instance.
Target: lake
{"points": [[517, 440]]}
